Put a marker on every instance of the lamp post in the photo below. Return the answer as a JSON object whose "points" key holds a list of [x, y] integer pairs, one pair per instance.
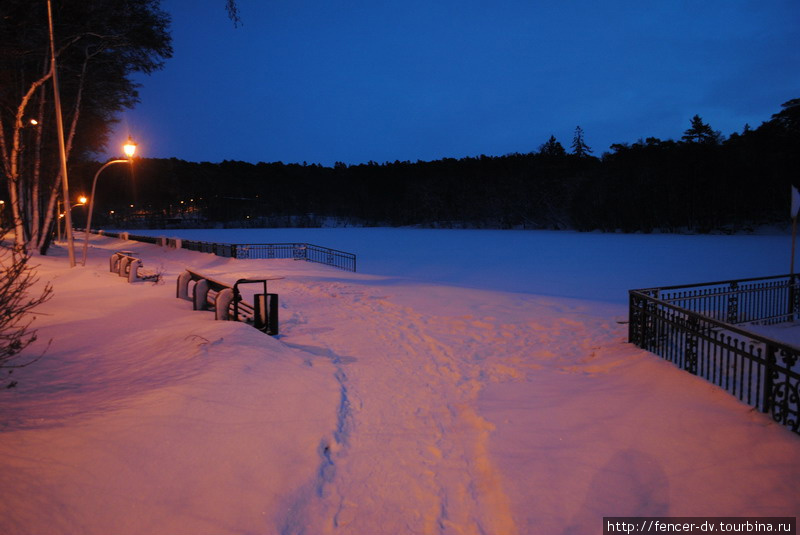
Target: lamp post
{"points": [[130, 149], [61, 142]]}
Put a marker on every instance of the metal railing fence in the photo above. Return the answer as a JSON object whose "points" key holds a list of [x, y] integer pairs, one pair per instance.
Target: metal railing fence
{"points": [[219, 249], [768, 300], [298, 251], [125, 236], [698, 328]]}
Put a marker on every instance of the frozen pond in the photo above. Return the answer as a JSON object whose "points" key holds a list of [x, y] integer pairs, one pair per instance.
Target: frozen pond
{"points": [[561, 263]]}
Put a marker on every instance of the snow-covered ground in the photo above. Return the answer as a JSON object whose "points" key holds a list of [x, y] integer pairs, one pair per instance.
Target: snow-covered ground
{"points": [[455, 385]]}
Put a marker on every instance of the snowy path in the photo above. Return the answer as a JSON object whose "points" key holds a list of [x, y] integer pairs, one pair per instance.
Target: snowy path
{"points": [[411, 454], [410, 443]]}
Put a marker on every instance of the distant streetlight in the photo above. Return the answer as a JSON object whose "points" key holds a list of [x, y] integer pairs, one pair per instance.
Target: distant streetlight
{"points": [[81, 202], [130, 149]]}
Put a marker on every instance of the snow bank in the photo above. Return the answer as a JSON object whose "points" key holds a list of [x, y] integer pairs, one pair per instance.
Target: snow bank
{"points": [[144, 417]]}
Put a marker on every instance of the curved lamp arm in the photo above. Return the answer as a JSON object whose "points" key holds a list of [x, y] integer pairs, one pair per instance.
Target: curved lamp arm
{"points": [[91, 206]]}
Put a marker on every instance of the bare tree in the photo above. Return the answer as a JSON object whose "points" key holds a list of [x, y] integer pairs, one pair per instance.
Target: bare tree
{"points": [[233, 12], [17, 300]]}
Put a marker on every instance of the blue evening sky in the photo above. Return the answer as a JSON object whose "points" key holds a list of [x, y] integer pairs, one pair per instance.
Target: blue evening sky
{"points": [[359, 80]]}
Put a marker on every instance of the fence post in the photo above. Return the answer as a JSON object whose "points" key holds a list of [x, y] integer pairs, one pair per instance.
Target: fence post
{"points": [[641, 314], [769, 379], [634, 319], [299, 251], [732, 316], [690, 344]]}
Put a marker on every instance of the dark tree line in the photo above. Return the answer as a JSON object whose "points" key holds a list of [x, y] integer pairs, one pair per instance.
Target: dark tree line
{"points": [[699, 183]]}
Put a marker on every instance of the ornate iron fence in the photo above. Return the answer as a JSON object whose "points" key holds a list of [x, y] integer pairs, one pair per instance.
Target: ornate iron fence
{"points": [[699, 329]]}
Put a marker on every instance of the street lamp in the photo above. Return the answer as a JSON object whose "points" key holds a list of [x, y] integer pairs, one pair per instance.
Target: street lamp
{"points": [[130, 149]]}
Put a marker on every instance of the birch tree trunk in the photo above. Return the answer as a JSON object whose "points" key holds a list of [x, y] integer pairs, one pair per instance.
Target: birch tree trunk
{"points": [[42, 239], [11, 164]]}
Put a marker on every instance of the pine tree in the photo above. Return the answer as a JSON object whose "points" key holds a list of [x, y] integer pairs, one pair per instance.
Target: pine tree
{"points": [[552, 148], [579, 147], [699, 132]]}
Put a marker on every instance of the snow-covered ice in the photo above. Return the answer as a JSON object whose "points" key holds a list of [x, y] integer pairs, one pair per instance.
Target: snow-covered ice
{"points": [[463, 382], [560, 263]]}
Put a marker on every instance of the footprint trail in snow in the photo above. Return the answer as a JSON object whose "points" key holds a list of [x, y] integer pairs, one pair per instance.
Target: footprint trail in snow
{"points": [[410, 451]]}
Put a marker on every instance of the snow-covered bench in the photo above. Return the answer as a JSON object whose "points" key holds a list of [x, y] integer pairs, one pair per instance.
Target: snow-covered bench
{"points": [[127, 265], [227, 302]]}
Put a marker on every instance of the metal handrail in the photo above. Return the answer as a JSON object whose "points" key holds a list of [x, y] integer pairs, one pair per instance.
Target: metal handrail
{"points": [[715, 322], [718, 283], [767, 299]]}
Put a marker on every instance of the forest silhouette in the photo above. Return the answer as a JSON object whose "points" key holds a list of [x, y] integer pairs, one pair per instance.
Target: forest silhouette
{"points": [[699, 183]]}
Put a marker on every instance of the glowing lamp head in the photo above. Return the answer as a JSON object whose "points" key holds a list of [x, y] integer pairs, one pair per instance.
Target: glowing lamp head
{"points": [[129, 148], [82, 199]]}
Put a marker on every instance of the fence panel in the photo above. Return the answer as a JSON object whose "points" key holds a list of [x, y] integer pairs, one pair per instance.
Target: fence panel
{"points": [[298, 251]]}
